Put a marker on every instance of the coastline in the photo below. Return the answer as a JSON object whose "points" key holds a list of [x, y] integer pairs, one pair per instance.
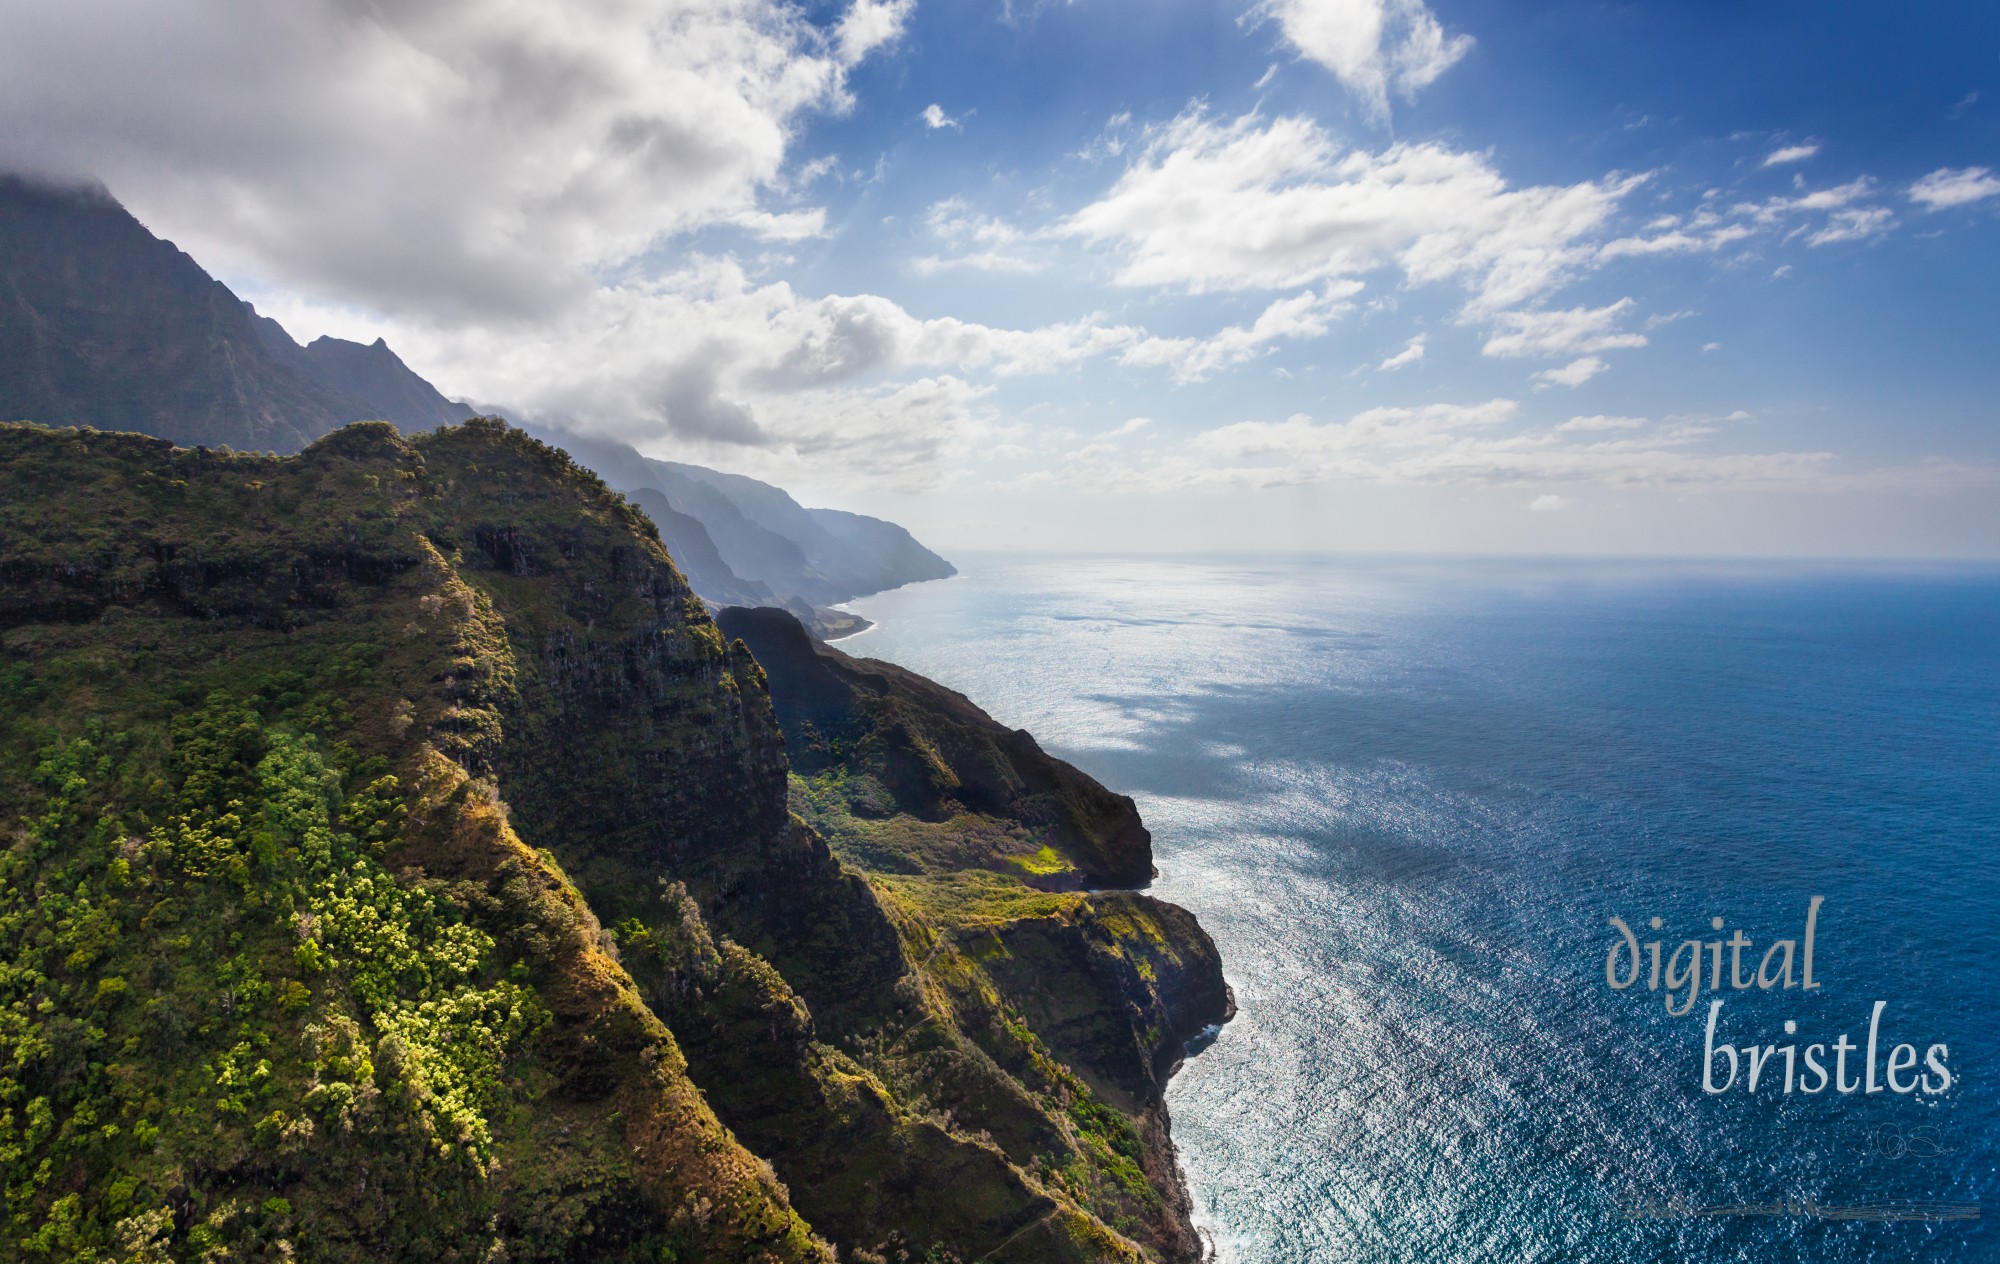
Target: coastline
{"points": [[1194, 1018]]}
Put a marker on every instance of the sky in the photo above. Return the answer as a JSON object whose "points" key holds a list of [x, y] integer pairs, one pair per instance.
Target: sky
{"points": [[1350, 275]]}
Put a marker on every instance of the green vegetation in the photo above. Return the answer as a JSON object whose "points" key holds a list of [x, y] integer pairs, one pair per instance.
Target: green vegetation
{"points": [[213, 960], [322, 779]]}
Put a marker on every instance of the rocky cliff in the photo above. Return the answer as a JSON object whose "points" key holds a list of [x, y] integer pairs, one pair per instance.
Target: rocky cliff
{"points": [[405, 865]]}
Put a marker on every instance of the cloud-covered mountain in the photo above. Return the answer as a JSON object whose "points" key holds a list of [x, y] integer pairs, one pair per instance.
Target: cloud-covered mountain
{"points": [[104, 324]]}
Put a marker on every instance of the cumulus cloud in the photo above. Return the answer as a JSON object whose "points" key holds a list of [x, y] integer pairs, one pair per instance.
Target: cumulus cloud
{"points": [[451, 158], [1791, 154], [1549, 502], [935, 118], [1275, 203], [1410, 354], [1306, 315], [1948, 187], [758, 376], [868, 25], [1371, 46]]}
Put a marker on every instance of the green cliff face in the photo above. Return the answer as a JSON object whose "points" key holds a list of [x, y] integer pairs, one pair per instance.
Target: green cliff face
{"points": [[400, 864]]}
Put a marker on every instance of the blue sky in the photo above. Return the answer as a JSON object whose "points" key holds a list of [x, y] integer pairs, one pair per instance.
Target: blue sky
{"points": [[1348, 274]]}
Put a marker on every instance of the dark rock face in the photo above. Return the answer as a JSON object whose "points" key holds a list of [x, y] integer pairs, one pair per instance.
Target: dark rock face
{"points": [[378, 378], [103, 324], [695, 553], [1009, 852], [938, 752]]}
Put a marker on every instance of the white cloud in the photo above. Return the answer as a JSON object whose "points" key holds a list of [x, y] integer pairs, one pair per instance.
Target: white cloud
{"points": [[1306, 315], [1272, 204], [1549, 502], [1790, 154], [868, 25], [1132, 426], [1482, 444], [1854, 224], [1828, 199], [1575, 373], [1372, 46], [757, 376], [1410, 354], [784, 226], [1704, 231], [1574, 331], [979, 242], [934, 117], [1303, 442], [1947, 187], [450, 158], [1841, 211], [1600, 422]]}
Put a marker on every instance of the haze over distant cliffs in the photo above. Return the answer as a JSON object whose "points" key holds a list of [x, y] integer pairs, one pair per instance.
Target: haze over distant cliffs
{"points": [[751, 536], [103, 324]]}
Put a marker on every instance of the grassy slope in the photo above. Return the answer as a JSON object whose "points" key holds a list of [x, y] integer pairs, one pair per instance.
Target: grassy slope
{"points": [[991, 859], [328, 773], [278, 970]]}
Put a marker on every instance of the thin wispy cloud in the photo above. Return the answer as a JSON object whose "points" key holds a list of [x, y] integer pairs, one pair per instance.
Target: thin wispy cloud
{"points": [[971, 240], [1575, 373], [1486, 445], [1568, 331], [1412, 352], [1303, 316], [1946, 187], [1791, 154]]}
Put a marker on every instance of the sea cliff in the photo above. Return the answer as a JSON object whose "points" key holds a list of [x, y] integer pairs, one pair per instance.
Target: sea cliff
{"points": [[405, 865]]}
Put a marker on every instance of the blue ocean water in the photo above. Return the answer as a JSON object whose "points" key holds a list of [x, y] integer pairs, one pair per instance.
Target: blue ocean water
{"points": [[1406, 797]]}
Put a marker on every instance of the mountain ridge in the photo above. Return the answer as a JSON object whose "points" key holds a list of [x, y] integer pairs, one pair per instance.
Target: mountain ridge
{"points": [[410, 867], [104, 324]]}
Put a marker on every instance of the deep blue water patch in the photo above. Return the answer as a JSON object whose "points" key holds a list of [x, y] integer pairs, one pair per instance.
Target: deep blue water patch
{"points": [[1406, 796]]}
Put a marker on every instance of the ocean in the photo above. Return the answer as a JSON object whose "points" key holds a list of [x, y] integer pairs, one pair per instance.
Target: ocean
{"points": [[1407, 797]]}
